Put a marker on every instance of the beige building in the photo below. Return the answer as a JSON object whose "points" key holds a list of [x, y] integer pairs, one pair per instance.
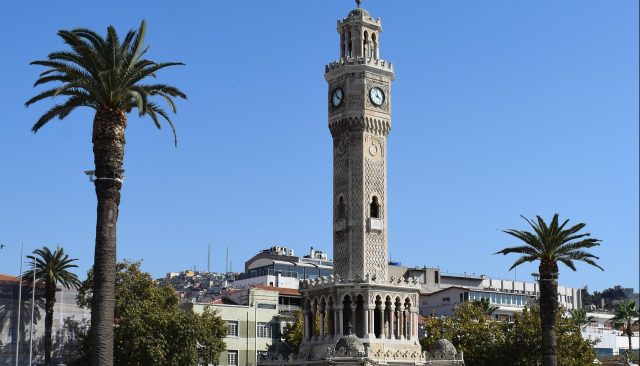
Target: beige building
{"points": [[252, 323]]}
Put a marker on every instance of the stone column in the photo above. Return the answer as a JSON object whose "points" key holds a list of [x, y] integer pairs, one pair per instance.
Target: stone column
{"points": [[365, 323], [401, 320], [339, 330], [392, 325], [372, 323], [381, 319], [305, 326], [321, 324]]}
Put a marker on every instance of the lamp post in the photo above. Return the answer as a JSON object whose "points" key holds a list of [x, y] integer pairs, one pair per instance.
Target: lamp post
{"points": [[33, 303]]}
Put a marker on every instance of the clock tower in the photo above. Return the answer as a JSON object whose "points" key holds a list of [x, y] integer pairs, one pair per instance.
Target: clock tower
{"points": [[359, 101], [361, 315]]}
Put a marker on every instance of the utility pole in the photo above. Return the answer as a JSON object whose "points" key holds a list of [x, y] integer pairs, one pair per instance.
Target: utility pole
{"points": [[33, 306], [19, 305]]}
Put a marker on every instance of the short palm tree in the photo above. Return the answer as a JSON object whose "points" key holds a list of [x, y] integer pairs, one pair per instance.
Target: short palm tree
{"points": [[550, 244], [580, 318], [627, 315], [52, 268], [485, 305], [105, 74]]}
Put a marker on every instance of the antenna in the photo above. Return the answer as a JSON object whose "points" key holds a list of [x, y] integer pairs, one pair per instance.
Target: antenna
{"points": [[226, 268], [209, 259]]}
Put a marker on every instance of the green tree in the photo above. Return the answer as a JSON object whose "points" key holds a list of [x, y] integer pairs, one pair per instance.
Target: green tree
{"points": [[468, 330], [550, 244], [627, 315], [580, 319], [292, 333], [523, 346], [486, 306], [52, 268], [104, 74], [151, 327], [496, 343]]}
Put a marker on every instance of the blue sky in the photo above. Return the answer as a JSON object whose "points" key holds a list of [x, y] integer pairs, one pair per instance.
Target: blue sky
{"points": [[500, 108]]}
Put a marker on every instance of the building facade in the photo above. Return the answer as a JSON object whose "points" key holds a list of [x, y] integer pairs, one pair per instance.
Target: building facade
{"points": [[253, 323], [68, 322]]}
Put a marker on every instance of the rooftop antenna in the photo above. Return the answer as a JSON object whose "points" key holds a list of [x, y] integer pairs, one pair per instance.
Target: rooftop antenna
{"points": [[226, 268], [209, 259]]}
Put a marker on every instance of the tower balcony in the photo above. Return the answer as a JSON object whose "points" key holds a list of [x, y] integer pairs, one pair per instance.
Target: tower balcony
{"points": [[375, 224]]}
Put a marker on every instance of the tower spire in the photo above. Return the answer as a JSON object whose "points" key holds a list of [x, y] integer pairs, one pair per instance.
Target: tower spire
{"points": [[358, 2]]}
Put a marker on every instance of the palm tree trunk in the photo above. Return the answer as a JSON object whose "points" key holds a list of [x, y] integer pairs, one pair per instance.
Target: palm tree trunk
{"points": [[108, 151], [548, 310], [50, 300]]}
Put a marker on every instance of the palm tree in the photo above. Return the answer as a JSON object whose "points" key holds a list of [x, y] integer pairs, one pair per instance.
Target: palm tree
{"points": [[105, 74], [627, 315], [51, 269], [580, 318], [551, 244], [485, 305]]}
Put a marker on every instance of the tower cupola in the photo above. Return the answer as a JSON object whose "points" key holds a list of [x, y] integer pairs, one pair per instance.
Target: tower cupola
{"points": [[359, 35]]}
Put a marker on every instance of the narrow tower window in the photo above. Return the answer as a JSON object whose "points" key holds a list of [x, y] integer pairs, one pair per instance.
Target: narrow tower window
{"points": [[375, 208], [350, 49], [365, 45], [341, 208], [374, 41]]}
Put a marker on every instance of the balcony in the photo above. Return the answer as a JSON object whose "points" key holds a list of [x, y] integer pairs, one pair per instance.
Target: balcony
{"points": [[340, 225], [375, 224]]}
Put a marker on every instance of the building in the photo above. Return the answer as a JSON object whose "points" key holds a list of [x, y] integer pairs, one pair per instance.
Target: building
{"points": [[68, 321], [441, 292], [254, 321], [364, 316], [279, 267]]}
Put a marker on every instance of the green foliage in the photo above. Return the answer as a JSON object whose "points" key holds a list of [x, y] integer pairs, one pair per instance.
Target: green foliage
{"points": [[104, 73], [552, 243], [486, 306], [627, 314], [293, 332], [493, 343], [580, 318], [151, 328]]}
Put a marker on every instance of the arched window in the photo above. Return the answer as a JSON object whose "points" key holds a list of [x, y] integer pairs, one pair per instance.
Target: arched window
{"points": [[374, 46], [375, 208], [366, 52], [343, 47], [350, 48]]}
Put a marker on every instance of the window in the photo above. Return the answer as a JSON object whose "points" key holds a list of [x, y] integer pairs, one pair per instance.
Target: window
{"points": [[436, 277], [263, 330], [266, 306], [461, 297], [446, 299], [232, 357], [375, 208], [232, 331]]}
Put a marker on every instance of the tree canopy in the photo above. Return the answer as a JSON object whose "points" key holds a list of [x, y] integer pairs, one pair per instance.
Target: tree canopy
{"points": [[494, 343], [151, 328]]}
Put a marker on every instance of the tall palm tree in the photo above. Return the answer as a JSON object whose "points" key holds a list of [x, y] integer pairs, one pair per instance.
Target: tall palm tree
{"points": [[105, 74], [52, 268], [580, 318], [627, 315], [550, 244]]}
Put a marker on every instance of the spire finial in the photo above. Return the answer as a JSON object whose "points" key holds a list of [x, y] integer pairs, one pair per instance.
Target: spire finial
{"points": [[358, 3]]}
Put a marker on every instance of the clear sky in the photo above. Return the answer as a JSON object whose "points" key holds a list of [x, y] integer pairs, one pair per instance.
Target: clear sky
{"points": [[500, 108]]}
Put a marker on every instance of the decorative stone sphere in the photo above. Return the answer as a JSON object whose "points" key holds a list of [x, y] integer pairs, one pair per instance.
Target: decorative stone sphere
{"points": [[444, 349], [350, 345]]}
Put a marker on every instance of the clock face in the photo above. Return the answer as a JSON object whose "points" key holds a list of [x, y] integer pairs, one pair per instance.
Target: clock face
{"points": [[336, 97], [377, 96]]}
